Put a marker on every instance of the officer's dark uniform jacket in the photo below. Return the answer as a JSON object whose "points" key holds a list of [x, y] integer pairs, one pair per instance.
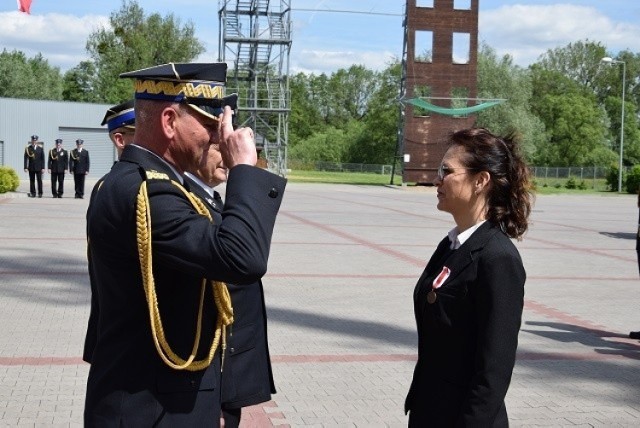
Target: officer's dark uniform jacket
{"points": [[58, 161], [247, 377], [133, 386], [34, 158], [34, 162], [79, 166], [79, 161]]}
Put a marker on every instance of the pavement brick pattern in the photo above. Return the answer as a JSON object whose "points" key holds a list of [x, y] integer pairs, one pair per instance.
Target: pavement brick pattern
{"points": [[343, 265]]}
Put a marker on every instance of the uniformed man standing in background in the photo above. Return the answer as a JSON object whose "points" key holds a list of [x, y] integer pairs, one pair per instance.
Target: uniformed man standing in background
{"points": [[34, 164], [57, 164], [247, 377], [121, 124], [79, 167]]}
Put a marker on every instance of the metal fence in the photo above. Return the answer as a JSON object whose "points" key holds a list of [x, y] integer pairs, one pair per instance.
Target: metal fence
{"points": [[544, 176], [339, 167], [581, 173], [572, 177]]}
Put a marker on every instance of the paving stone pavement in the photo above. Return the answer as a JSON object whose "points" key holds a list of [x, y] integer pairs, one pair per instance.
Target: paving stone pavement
{"points": [[343, 266]]}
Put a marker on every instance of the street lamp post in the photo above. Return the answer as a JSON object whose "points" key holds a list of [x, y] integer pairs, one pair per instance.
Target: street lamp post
{"points": [[609, 60]]}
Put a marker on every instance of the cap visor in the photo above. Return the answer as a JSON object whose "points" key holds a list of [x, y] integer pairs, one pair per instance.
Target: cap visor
{"points": [[213, 108]]}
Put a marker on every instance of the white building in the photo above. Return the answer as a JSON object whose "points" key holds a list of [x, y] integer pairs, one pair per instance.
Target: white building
{"points": [[49, 120]]}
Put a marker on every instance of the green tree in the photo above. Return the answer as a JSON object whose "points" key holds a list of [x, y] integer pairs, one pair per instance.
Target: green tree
{"points": [[334, 107], [319, 94], [579, 61], [377, 142], [329, 145], [579, 64], [565, 98], [30, 78], [500, 78], [78, 83], [575, 128], [137, 41], [611, 98], [632, 62], [304, 118], [613, 105], [350, 91], [349, 116]]}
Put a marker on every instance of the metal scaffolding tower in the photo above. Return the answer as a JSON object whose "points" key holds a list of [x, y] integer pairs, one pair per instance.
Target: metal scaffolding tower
{"points": [[255, 40]]}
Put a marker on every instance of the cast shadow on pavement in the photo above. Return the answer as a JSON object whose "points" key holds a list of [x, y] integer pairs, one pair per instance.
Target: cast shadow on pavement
{"points": [[40, 276], [370, 330], [606, 374], [619, 235], [605, 382], [591, 338]]}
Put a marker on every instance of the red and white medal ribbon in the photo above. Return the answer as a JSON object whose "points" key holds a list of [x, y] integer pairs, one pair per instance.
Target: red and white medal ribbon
{"points": [[441, 278], [432, 296]]}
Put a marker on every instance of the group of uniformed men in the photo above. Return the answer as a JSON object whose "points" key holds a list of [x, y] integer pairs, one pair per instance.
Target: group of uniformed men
{"points": [[59, 161]]}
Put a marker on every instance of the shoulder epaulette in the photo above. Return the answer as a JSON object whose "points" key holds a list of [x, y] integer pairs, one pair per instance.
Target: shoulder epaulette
{"points": [[155, 175]]}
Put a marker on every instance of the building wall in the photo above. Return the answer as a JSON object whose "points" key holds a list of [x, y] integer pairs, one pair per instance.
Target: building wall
{"points": [[20, 119], [425, 137]]}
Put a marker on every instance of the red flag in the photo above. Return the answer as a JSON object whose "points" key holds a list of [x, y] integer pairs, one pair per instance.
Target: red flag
{"points": [[24, 6]]}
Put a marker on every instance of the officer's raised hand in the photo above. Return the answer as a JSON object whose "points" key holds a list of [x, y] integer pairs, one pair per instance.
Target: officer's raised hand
{"points": [[237, 146]]}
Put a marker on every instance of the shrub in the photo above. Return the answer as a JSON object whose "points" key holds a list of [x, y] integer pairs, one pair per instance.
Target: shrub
{"points": [[9, 180], [632, 183], [571, 183], [612, 178]]}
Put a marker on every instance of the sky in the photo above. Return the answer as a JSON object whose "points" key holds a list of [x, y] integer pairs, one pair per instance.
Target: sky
{"points": [[328, 35]]}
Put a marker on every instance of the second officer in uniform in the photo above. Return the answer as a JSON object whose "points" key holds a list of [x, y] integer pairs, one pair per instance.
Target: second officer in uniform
{"points": [[57, 165]]}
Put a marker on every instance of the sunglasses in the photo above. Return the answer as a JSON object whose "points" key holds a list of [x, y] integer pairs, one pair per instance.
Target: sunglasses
{"points": [[443, 170]]}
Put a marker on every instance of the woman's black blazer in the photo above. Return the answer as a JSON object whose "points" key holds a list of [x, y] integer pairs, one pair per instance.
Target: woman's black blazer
{"points": [[467, 338]]}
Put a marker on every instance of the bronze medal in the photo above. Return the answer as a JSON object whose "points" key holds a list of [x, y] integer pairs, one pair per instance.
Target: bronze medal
{"points": [[431, 297]]}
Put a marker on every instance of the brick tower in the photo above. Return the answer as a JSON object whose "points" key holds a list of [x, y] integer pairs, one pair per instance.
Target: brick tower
{"points": [[440, 65]]}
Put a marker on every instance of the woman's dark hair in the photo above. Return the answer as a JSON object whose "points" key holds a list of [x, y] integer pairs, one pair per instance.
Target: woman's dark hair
{"points": [[510, 197]]}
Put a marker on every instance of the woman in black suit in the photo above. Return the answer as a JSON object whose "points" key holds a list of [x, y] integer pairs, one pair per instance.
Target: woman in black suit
{"points": [[468, 302]]}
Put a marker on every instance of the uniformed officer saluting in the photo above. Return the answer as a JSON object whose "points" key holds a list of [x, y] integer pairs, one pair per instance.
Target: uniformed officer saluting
{"points": [[155, 348]]}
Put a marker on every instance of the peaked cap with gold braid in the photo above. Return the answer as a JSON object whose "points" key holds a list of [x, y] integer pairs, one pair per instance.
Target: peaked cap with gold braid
{"points": [[199, 85]]}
